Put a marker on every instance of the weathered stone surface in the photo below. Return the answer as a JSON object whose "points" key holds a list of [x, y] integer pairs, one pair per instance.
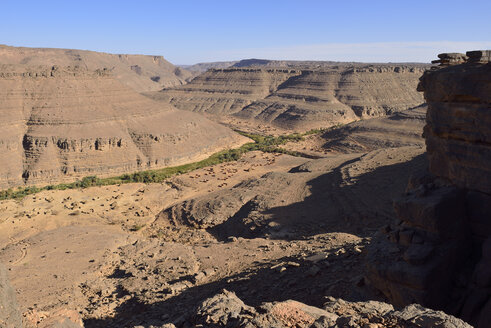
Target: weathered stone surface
{"points": [[222, 310], [457, 133], [479, 56], [226, 310], [59, 318], [446, 212], [300, 98], [448, 59], [415, 277], [62, 123], [9, 312], [139, 72], [440, 211], [418, 316]]}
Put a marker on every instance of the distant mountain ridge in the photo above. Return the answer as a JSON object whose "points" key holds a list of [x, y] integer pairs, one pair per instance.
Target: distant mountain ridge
{"points": [[299, 97], [203, 67], [255, 62]]}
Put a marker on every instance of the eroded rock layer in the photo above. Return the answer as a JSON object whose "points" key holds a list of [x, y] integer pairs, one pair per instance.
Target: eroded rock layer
{"points": [[58, 124], [225, 91], [300, 98], [439, 252], [139, 72], [458, 130]]}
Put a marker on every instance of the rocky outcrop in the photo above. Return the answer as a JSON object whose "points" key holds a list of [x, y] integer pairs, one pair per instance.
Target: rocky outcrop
{"points": [[227, 310], [62, 123], [300, 98], [458, 130], [139, 72], [438, 252], [9, 312]]}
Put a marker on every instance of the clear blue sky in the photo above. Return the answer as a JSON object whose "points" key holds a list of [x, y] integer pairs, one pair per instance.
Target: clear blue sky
{"points": [[187, 32]]}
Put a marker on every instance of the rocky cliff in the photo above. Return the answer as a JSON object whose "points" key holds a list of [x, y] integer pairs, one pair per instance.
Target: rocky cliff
{"points": [[300, 98], [439, 251], [61, 123], [225, 91], [458, 130], [139, 72]]}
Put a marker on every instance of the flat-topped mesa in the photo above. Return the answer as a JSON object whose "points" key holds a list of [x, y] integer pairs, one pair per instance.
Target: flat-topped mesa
{"points": [[300, 98], [139, 72], [63, 123], [438, 253]]}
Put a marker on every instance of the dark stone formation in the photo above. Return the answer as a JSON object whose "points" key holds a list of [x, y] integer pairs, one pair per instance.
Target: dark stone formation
{"points": [[438, 253]]}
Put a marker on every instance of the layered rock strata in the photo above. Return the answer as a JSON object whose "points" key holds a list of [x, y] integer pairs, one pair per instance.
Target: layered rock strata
{"points": [[225, 91], [62, 123], [439, 252], [300, 99], [139, 72]]}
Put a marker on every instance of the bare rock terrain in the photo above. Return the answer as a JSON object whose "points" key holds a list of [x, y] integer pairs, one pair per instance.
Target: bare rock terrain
{"points": [[62, 123], [139, 72], [436, 253], [396, 130], [227, 310], [267, 223], [298, 98], [268, 240]]}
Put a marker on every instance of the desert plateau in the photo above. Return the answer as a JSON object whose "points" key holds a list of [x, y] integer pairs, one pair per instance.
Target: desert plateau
{"points": [[241, 192]]}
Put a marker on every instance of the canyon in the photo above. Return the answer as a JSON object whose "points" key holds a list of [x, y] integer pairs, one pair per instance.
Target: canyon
{"points": [[60, 124], [349, 194]]}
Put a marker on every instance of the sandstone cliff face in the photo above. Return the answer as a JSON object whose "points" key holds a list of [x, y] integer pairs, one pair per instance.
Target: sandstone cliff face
{"points": [[439, 252], [458, 130], [225, 91], [300, 98], [59, 124], [139, 72]]}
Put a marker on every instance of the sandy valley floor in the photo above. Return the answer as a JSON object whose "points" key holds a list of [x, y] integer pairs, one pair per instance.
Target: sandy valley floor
{"points": [[125, 251]]}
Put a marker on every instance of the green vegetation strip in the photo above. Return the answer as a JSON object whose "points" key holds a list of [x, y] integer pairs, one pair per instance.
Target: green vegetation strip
{"points": [[268, 144]]}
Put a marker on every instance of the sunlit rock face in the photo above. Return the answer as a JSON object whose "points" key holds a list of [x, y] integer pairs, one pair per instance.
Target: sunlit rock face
{"points": [[139, 72], [300, 98], [62, 123]]}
